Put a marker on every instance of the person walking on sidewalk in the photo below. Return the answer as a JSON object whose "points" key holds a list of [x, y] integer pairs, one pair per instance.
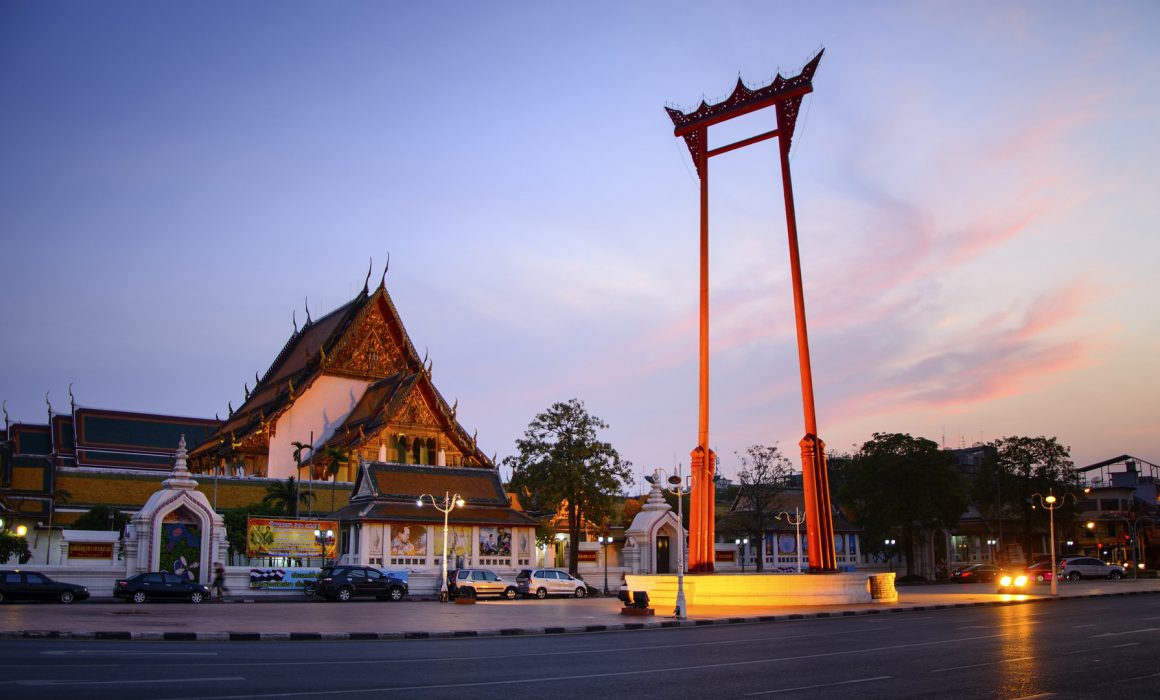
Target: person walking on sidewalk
{"points": [[219, 580]]}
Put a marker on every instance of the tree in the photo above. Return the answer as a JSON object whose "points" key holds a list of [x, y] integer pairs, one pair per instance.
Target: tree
{"points": [[1018, 468], [561, 462], [761, 480], [13, 545], [101, 517], [299, 447], [283, 497], [902, 487], [333, 458]]}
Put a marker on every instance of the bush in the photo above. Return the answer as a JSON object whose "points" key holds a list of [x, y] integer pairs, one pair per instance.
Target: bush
{"points": [[11, 545]]}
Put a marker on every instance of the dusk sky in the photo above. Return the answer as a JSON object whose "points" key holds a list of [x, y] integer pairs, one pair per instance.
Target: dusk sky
{"points": [[976, 185]]}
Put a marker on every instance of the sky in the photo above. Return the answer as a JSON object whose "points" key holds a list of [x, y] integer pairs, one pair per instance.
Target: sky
{"points": [[976, 193]]}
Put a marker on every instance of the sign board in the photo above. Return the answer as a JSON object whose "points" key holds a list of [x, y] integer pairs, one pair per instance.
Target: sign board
{"points": [[725, 555], [284, 537], [589, 555], [90, 550]]}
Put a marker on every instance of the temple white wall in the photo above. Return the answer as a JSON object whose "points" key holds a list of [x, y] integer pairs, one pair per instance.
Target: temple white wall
{"points": [[321, 409]]}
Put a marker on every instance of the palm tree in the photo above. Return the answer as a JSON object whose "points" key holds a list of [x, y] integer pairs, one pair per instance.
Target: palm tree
{"points": [[333, 458], [284, 496], [298, 448]]}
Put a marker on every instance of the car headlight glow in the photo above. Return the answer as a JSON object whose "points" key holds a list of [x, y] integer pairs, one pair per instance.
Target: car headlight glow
{"points": [[1020, 581], [1005, 581]]}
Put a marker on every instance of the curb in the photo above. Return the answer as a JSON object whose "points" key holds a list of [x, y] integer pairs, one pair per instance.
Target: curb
{"points": [[663, 623]]}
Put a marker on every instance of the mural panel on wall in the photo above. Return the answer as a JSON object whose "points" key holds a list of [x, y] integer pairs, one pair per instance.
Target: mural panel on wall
{"points": [[495, 541], [409, 540], [181, 544]]}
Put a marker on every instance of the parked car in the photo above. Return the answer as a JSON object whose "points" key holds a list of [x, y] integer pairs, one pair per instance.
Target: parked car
{"points": [[1040, 571], [345, 581], [33, 585], [976, 573], [545, 582], [159, 585], [1075, 568], [472, 583]]}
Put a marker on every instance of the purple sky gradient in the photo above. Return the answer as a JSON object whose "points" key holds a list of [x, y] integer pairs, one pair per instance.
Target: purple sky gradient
{"points": [[976, 196]]}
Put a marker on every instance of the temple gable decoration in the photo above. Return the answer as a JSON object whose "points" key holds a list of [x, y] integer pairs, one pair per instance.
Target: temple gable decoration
{"points": [[350, 380]]}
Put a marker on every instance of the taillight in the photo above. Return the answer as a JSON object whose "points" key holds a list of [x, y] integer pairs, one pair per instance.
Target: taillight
{"points": [[966, 574]]}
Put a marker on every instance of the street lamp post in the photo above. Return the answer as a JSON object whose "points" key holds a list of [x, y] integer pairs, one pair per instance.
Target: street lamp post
{"points": [[604, 541], [324, 538], [742, 550], [890, 557], [1052, 504], [991, 549], [677, 487], [796, 520], [445, 505]]}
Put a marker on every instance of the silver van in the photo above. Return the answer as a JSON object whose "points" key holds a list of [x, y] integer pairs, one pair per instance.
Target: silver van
{"points": [[545, 582]]}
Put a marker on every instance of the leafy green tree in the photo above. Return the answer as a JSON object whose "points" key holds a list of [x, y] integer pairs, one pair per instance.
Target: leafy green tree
{"points": [[761, 479], [562, 462], [333, 458], [1016, 470], [101, 517], [13, 545], [285, 496], [902, 487]]}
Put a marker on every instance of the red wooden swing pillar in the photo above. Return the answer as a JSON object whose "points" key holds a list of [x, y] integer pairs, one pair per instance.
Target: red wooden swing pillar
{"points": [[785, 95]]}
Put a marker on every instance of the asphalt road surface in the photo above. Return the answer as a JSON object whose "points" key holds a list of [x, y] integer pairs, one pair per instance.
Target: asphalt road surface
{"points": [[1101, 647]]}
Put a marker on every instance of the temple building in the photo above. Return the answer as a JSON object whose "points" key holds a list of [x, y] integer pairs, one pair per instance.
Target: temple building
{"points": [[350, 382]]}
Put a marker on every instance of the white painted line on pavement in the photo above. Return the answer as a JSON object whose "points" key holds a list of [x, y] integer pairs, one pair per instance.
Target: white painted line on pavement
{"points": [[1121, 634], [39, 683], [121, 652], [821, 685], [989, 663]]}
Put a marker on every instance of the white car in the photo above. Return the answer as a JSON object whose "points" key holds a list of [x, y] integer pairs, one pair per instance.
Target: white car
{"points": [[1075, 568], [545, 582]]}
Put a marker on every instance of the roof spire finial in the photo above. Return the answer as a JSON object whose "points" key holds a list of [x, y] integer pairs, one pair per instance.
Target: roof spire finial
{"points": [[308, 321], [294, 320], [246, 388], [49, 404], [230, 406], [383, 281], [4, 405], [367, 283], [72, 402], [257, 379]]}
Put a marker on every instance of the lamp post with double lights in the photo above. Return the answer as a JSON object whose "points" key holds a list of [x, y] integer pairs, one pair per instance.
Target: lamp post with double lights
{"points": [[991, 549], [1052, 504], [444, 505], [742, 550], [604, 541], [890, 543], [796, 520], [324, 538], [676, 487]]}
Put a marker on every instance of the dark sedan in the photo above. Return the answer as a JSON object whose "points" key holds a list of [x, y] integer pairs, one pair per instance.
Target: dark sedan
{"points": [[31, 585], [977, 573], [159, 585]]}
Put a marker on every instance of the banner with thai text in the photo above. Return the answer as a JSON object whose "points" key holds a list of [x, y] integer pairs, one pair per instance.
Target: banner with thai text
{"points": [[281, 537]]}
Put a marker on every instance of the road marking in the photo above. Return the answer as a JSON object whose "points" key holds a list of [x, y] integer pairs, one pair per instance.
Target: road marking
{"points": [[1094, 650], [1120, 634], [1037, 695], [989, 663], [119, 652], [611, 674], [41, 683], [999, 627], [822, 685], [1082, 626]]}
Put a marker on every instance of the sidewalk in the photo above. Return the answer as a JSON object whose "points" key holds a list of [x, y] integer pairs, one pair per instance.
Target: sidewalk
{"points": [[298, 618]]}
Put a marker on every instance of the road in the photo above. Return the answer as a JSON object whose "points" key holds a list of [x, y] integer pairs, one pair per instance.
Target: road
{"points": [[1092, 647]]}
